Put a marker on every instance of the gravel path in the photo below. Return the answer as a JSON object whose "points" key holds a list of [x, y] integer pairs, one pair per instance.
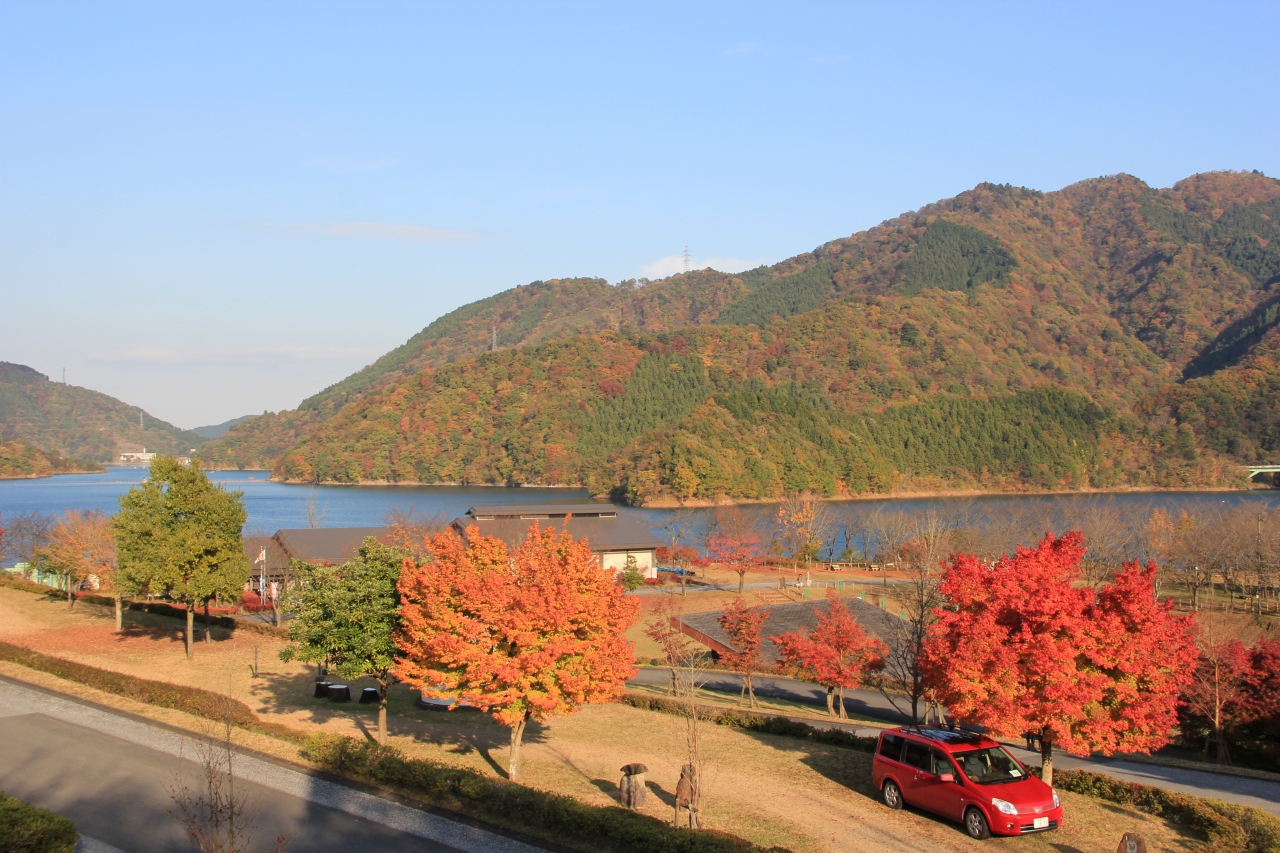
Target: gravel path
{"points": [[19, 701]]}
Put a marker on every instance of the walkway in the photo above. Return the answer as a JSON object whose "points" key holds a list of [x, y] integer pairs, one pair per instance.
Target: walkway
{"points": [[110, 774]]}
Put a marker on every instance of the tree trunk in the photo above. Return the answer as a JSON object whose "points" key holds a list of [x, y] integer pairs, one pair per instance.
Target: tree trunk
{"points": [[742, 582], [517, 739], [207, 632], [119, 615], [831, 695], [275, 612], [751, 692], [382, 710], [844, 715], [191, 632], [1046, 756], [71, 596]]}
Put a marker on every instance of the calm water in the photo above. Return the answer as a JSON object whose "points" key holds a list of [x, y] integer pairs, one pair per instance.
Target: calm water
{"points": [[272, 506]]}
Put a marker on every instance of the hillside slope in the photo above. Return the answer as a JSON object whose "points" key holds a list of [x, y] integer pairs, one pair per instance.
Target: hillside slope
{"points": [[19, 460], [76, 422], [1003, 339]]}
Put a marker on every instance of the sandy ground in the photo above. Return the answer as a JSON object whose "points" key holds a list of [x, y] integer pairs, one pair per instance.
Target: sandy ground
{"points": [[774, 791]]}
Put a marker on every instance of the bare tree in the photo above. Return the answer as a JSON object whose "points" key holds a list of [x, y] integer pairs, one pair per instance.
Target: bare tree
{"points": [[315, 511], [1110, 539], [217, 817], [920, 545], [804, 522], [25, 534], [689, 674], [409, 529]]}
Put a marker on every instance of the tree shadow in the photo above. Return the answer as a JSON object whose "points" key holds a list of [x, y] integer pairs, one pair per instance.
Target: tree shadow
{"points": [[462, 731]]}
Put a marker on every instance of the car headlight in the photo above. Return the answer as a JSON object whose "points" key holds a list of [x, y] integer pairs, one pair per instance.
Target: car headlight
{"points": [[1004, 806], [1056, 801]]}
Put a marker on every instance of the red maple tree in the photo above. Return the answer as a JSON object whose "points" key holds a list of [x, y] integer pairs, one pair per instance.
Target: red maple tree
{"points": [[837, 654], [1020, 648], [1216, 694], [742, 624], [1261, 699], [524, 635], [734, 543]]}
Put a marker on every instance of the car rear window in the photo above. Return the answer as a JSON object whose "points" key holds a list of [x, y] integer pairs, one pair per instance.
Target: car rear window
{"points": [[891, 746], [917, 755]]}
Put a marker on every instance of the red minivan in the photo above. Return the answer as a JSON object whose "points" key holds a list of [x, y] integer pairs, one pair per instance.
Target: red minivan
{"points": [[963, 776]]}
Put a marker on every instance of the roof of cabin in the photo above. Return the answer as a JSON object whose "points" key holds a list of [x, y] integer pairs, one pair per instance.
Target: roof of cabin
{"points": [[785, 618], [602, 532], [327, 545]]}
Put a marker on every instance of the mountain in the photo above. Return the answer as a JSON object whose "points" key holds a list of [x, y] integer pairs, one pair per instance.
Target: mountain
{"points": [[1108, 334], [76, 422], [19, 460], [219, 430]]}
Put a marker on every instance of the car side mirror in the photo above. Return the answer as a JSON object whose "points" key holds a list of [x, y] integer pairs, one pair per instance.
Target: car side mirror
{"points": [[947, 777]]}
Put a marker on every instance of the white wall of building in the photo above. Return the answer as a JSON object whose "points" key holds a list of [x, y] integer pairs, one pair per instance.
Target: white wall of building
{"points": [[617, 561]]}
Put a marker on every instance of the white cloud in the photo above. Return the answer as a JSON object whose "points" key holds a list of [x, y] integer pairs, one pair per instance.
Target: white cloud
{"points": [[384, 231], [672, 264]]}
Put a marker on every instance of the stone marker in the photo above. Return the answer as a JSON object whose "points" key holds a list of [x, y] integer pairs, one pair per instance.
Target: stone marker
{"points": [[1131, 842], [631, 789]]}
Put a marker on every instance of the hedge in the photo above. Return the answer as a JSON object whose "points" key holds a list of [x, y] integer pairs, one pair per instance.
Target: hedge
{"points": [[555, 816], [1227, 828], [25, 828], [764, 723], [192, 700], [17, 581]]}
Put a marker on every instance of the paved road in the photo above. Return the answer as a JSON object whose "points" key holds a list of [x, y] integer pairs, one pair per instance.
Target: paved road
{"points": [[869, 703], [110, 775]]}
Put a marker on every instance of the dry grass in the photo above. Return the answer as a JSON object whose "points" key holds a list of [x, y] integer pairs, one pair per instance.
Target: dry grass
{"points": [[772, 790]]}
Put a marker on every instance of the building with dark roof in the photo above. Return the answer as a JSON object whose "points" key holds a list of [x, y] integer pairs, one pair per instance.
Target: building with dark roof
{"points": [[326, 546], [613, 536], [785, 618]]}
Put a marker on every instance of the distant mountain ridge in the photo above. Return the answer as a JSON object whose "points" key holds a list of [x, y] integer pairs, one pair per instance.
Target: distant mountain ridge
{"points": [[77, 422], [219, 430], [1107, 334], [19, 460]]}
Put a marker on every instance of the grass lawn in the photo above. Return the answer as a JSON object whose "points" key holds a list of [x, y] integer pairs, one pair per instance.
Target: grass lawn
{"points": [[772, 790]]}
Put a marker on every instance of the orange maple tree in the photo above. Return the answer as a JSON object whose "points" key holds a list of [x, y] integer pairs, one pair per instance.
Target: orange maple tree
{"points": [[742, 624], [837, 654], [1021, 648], [524, 635]]}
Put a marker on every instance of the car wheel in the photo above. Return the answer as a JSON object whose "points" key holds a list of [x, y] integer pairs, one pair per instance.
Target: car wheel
{"points": [[975, 823], [892, 795]]}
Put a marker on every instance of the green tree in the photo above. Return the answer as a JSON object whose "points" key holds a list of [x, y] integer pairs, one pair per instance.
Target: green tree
{"points": [[178, 534], [345, 617], [631, 577]]}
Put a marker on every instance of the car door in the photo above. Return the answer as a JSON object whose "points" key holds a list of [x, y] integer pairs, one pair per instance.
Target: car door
{"points": [[941, 797], [917, 757]]}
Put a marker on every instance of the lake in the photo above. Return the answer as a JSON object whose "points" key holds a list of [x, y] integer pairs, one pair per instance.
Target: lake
{"points": [[272, 506]]}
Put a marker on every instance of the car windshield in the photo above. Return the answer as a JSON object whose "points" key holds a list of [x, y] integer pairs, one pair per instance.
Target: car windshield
{"points": [[989, 766]]}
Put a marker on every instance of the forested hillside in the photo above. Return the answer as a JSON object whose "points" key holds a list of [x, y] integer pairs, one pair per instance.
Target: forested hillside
{"points": [[1107, 334], [71, 421], [19, 460]]}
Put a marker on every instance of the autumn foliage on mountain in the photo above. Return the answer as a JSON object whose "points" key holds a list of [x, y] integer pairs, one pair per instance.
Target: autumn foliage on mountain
{"points": [[1022, 646], [1107, 334], [68, 421], [525, 635]]}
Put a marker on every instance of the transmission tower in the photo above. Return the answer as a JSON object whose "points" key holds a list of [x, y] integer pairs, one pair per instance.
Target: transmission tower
{"points": [[686, 258]]}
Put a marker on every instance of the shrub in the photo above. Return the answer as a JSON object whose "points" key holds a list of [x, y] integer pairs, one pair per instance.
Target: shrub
{"points": [[1227, 828], [17, 581], [192, 700], [24, 828], [764, 723], [563, 818]]}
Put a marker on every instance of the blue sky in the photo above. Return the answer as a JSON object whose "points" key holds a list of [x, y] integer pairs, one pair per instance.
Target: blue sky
{"points": [[214, 209]]}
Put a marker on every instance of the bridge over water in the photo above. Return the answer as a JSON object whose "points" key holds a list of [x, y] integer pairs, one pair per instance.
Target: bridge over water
{"points": [[1255, 470]]}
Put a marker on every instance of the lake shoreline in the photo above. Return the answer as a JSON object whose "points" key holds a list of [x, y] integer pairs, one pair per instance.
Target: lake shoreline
{"points": [[702, 503]]}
